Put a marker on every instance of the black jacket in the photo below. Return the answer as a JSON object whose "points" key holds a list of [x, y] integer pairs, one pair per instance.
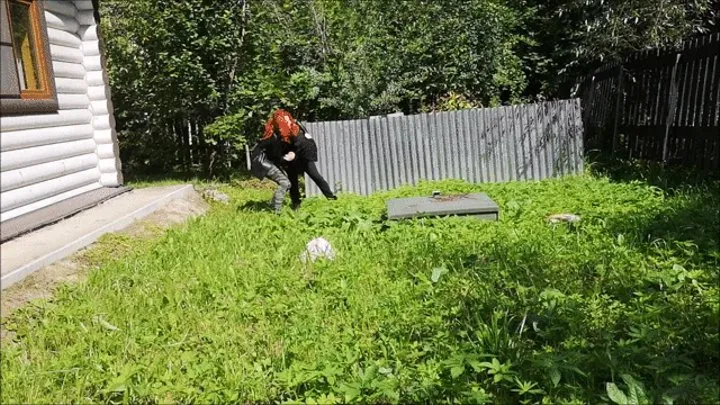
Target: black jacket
{"points": [[305, 148], [274, 149]]}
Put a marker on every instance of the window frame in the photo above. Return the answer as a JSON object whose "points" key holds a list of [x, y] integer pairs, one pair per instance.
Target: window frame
{"points": [[33, 101]]}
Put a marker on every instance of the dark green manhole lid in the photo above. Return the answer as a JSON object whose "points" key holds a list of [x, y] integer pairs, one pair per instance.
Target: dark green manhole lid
{"points": [[477, 205]]}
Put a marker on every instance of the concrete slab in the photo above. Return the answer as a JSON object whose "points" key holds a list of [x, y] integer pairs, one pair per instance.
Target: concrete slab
{"points": [[477, 205], [37, 219], [22, 256]]}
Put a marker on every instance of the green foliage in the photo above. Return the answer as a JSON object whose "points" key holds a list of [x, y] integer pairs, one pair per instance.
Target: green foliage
{"points": [[193, 61], [621, 307], [635, 394], [197, 60], [452, 102], [229, 131], [169, 63], [567, 39]]}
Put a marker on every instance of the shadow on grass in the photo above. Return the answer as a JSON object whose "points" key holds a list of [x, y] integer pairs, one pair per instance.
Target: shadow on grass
{"points": [[145, 179], [667, 177], [663, 311], [139, 180], [255, 206], [665, 330], [692, 203]]}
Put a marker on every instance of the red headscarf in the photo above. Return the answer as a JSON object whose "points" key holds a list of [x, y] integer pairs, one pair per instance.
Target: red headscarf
{"points": [[282, 122]]}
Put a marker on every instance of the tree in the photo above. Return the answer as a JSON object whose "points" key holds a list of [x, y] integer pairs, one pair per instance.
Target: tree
{"points": [[569, 38]]}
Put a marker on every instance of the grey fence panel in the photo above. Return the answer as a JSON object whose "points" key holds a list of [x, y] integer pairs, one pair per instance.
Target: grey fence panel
{"points": [[515, 143], [346, 147], [386, 153], [494, 144], [468, 149], [427, 152], [481, 140], [433, 148], [395, 126], [502, 156], [526, 135], [486, 161], [325, 132], [441, 140], [455, 145], [356, 168], [546, 140], [335, 161], [470, 126], [416, 144], [557, 144], [525, 142], [365, 140], [408, 140], [327, 143], [339, 143], [355, 161], [367, 157], [508, 145], [350, 150], [524, 159], [379, 164], [500, 134]]}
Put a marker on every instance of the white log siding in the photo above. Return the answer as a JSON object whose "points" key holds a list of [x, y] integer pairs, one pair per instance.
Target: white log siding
{"points": [[46, 158]]}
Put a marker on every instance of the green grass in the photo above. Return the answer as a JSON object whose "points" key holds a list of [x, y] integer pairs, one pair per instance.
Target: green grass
{"points": [[624, 304]]}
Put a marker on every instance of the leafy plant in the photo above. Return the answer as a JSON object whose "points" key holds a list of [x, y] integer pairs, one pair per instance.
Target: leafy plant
{"points": [[621, 308], [635, 394]]}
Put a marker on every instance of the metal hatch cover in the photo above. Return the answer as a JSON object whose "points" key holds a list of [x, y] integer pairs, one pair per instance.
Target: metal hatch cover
{"points": [[477, 205]]}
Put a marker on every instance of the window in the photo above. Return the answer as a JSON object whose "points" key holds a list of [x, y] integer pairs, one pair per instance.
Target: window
{"points": [[27, 83]]}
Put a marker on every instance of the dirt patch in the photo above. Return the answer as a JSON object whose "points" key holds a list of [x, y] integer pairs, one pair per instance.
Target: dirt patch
{"points": [[73, 269], [453, 197]]}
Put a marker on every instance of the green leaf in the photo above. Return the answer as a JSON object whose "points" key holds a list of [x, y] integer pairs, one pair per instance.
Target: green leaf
{"points": [[351, 391], [456, 371], [476, 365], [555, 376], [437, 273], [615, 394], [105, 324], [636, 392]]}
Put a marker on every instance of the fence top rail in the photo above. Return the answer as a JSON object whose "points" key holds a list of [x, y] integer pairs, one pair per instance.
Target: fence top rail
{"points": [[547, 103]]}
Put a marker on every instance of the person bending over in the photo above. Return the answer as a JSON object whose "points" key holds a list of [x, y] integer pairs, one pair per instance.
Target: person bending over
{"points": [[270, 157], [306, 155]]}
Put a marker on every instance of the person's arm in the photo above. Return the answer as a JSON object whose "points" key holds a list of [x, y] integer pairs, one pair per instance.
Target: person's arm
{"points": [[272, 148]]}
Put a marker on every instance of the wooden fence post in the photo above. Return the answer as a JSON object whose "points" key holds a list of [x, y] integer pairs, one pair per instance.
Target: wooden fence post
{"points": [[616, 117], [672, 104], [588, 107]]}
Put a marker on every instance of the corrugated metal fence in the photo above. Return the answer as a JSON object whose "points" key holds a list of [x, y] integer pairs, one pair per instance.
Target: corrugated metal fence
{"points": [[523, 142]]}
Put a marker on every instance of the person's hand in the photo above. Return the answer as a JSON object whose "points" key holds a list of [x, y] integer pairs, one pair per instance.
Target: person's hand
{"points": [[289, 157]]}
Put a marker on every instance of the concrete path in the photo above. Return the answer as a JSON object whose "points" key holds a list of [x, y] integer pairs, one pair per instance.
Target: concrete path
{"points": [[22, 256]]}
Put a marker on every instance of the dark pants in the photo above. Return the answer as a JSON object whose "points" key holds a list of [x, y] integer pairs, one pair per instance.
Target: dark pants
{"points": [[296, 170]]}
